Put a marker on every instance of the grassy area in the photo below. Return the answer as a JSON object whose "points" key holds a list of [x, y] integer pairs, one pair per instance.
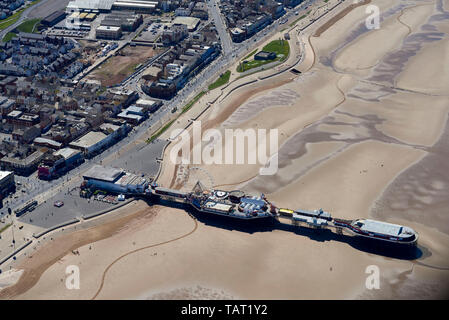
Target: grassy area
{"points": [[9, 36], [280, 47], [300, 18], [224, 78], [14, 17], [184, 109], [192, 102], [5, 227], [131, 68], [161, 131], [250, 55], [11, 20], [27, 26]]}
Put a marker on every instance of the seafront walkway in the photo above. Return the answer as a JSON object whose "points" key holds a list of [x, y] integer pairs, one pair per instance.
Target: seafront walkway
{"points": [[299, 58]]}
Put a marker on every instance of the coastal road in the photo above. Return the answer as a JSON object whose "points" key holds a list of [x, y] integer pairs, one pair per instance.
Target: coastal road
{"points": [[199, 82], [22, 18], [35, 186], [226, 42]]}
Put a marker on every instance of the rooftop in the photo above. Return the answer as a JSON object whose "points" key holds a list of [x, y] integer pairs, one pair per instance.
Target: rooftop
{"points": [[108, 28], [147, 102], [381, 227], [66, 153], [98, 172], [42, 140], [190, 22], [89, 139], [4, 174], [14, 113], [90, 4], [131, 179]]}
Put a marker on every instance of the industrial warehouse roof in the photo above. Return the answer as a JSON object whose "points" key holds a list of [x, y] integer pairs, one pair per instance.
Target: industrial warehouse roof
{"points": [[98, 172], [77, 5], [106, 5], [53, 16], [89, 139], [136, 4]]}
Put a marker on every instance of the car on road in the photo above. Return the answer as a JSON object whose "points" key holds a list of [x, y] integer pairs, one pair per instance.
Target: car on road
{"points": [[58, 204]]}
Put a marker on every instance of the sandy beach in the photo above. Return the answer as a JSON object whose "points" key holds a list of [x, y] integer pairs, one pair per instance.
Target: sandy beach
{"points": [[363, 132]]}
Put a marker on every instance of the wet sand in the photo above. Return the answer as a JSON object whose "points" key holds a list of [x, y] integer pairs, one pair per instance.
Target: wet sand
{"points": [[359, 136]]}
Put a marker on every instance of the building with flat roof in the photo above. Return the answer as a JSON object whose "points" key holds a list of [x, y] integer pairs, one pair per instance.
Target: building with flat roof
{"points": [[139, 6], [108, 32], [83, 16], [91, 143], [107, 174], [147, 6], [190, 22], [127, 20], [114, 180], [53, 18], [176, 33], [67, 153], [133, 115], [91, 16], [148, 105], [265, 55], [84, 5]]}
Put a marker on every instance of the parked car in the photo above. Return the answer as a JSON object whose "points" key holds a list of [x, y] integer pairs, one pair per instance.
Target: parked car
{"points": [[58, 204]]}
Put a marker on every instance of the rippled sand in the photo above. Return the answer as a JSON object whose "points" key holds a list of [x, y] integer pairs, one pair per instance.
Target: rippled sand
{"points": [[362, 134]]}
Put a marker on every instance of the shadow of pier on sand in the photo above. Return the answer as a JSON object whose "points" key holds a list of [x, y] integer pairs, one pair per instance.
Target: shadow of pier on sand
{"points": [[371, 246]]}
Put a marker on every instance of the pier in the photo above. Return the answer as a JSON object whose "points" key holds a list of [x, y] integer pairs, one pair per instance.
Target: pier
{"points": [[237, 204]]}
